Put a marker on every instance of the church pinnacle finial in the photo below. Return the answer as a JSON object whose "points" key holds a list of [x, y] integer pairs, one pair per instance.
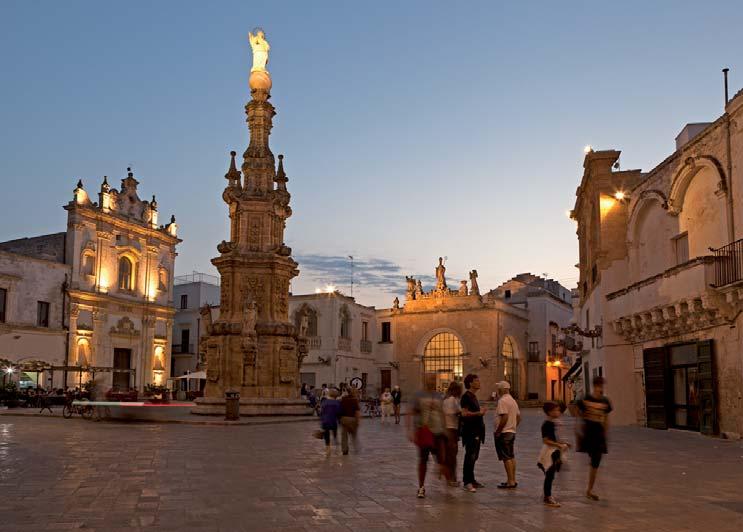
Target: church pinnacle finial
{"points": [[280, 174], [233, 174]]}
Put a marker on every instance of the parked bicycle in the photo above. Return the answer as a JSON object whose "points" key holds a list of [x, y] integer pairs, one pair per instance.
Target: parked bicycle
{"points": [[85, 411], [372, 408]]}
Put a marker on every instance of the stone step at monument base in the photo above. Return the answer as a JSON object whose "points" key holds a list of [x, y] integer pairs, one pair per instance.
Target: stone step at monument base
{"points": [[254, 406]]}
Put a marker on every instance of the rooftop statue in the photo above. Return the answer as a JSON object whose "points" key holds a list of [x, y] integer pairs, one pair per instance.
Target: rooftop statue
{"points": [[260, 47], [441, 275]]}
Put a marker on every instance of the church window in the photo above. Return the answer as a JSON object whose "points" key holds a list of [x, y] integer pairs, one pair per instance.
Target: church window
{"points": [[126, 274], [442, 361], [162, 279], [88, 266], [508, 294]]}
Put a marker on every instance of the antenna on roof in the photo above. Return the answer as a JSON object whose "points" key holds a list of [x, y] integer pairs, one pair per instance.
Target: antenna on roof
{"points": [[725, 76]]}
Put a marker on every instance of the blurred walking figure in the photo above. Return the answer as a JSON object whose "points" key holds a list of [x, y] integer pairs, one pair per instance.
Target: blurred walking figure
{"points": [[386, 402], [426, 430], [396, 401], [594, 410], [473, 431], [452, 411], [507, 418], [350, 414], [329, 413], [551, 457]]}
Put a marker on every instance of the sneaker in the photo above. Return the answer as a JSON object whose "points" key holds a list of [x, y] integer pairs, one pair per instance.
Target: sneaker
{"points": [[421, 492], [592, 496], [551, 502], [478, 485], [470, 487]]}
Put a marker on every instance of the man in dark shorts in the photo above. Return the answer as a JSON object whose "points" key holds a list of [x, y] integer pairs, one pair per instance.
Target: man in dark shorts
{"points": [[507, 418], [473, 431], [594, 409]]}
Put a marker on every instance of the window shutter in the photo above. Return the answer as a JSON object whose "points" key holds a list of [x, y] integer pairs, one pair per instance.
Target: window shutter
{"points": [[706, 384], [656, 403]]}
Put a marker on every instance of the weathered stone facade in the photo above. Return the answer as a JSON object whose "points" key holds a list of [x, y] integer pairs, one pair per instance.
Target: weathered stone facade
{"points": [[253, 348], [660, 279], [441, 335]]}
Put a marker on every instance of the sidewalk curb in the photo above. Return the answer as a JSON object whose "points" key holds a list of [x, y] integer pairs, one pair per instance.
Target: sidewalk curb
{"points": [[207, 422]]}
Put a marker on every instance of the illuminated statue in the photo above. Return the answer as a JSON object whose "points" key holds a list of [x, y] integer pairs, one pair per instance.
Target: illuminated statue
{"points": [[260, 47]]}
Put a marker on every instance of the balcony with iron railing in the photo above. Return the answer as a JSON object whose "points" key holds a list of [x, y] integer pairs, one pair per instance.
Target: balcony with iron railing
{"points": [[365, 346], [728, 264]]}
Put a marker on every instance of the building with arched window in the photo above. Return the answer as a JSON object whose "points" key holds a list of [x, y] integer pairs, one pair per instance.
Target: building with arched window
{"points": [[440, 335], [96, 298], [661, 271]]}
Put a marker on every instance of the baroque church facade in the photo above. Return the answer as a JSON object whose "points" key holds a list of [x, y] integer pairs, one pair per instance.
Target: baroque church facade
{"points": [[102, 291]]}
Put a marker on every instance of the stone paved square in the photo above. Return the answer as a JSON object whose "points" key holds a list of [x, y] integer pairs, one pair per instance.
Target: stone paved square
{"points": [[58, 474]]}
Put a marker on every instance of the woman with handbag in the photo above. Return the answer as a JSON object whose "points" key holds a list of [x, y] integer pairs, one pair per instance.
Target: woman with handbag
{"points": [[427, 433]]}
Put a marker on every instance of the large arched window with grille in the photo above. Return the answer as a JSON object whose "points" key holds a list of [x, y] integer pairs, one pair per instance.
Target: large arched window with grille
{"points": [[442, 361]]}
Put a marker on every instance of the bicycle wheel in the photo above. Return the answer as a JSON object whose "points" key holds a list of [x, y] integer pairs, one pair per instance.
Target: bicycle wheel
{"points": [[67, 411], [86, 412]]}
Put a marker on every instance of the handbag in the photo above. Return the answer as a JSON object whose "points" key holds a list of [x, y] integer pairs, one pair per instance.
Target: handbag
{"points": [[423, 437]]}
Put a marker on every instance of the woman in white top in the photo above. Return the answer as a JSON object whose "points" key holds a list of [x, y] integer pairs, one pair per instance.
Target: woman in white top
{"points": [[452, 410], [386, 403]]}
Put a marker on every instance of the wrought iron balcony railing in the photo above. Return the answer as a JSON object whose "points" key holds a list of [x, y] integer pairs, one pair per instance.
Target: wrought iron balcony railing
{"points": [[728, 263]]}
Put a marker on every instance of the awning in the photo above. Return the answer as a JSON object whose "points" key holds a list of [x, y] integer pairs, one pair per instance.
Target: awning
{"points": [[194, 375], [575, 369]]}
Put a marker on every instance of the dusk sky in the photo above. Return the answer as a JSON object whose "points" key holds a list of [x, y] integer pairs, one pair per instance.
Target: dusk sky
{"points": [[411, 130]]}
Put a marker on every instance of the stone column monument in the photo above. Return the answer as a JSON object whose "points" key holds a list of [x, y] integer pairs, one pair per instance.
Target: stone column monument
{"points": [[252, 348]]}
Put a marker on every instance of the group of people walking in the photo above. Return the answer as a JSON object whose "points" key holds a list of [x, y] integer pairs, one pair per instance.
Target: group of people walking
{"points": [[436, 427]]}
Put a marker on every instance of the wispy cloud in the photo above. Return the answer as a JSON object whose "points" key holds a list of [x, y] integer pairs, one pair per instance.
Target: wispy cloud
{"points": [[374, 273]]}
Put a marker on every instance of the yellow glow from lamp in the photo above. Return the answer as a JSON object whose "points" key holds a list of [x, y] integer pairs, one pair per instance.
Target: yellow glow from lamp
{"points": [[329, 288], [605, 204], [619, 195]]}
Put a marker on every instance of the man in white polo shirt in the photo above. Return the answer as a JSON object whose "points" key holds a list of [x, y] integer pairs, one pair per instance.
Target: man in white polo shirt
{"points": [[507, 418]]}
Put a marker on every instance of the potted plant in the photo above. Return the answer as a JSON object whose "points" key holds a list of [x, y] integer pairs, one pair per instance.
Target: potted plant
{"points": [[157, 393]]}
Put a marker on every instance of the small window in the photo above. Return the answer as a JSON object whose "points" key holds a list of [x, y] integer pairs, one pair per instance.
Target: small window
{"points": [[365, 330], [681, 243], [508, 294], [533, 351], [386, 331], [3, 303], [42, 314], [184, 301], [594, 274]]}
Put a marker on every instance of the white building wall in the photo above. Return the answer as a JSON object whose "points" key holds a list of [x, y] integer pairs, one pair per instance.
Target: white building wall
{"points": [[27, 281]]}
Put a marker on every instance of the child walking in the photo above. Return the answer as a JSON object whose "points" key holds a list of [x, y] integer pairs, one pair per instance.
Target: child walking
{"points": [[550, 458]]}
